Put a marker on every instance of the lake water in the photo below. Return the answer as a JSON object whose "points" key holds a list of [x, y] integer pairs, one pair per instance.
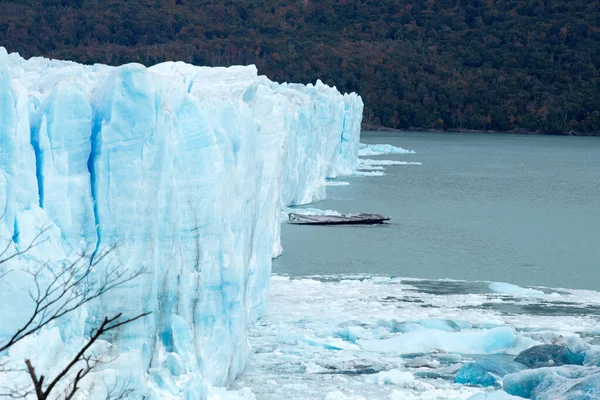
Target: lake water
{"points": [[397, 311], [514, 208]]}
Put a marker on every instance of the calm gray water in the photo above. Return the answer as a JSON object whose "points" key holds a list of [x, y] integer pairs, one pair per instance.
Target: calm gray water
{"points": [[513, 208]]}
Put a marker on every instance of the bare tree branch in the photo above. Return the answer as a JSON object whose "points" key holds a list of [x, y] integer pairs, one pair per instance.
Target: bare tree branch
{"points": [[89, 363], [118, 393], [68, 290], [35, 242], [60, 289]]}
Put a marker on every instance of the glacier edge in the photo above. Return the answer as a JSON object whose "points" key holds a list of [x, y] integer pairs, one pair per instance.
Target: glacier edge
{"points": [[187, 169]]}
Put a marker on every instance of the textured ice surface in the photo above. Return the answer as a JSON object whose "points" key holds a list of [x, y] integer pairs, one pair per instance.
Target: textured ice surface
{"points": [[548, 355], [379, 149], [312, 339], [187, 168], [557, 383]]}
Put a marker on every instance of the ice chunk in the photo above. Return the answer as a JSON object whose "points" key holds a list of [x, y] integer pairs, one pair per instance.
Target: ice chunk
{"points": [[496, 395], [433, 323], [502, 340], [514, 290], [592, 356], [368, 173], [309, 211], [486, 372], [555, 383], [368, 161], [337, 183], [548, 355], [422, 362], [364, 167], [393, 377], [337, 395], [379, 149]]}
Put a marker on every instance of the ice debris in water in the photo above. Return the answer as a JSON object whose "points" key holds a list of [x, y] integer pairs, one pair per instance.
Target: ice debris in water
{"points": [[370, 326], [309, 211], [514, 290], [187, 169], [432, 323], [337, 395], [337, 183], [368, 173], [380, 149], [417, 362], [495, 395], [394, 377], [368, 161], [364, 167], [486, 372], [548, 355]]}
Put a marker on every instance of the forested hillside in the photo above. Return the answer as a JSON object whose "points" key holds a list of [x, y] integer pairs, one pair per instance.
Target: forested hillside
{"points": [[507, 65]]}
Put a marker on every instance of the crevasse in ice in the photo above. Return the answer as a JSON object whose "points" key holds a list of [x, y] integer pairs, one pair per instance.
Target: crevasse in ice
{"points": [[186, 168]]}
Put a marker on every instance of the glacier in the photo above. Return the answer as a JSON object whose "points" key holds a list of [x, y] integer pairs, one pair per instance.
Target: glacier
{"points": [[187, 169]]}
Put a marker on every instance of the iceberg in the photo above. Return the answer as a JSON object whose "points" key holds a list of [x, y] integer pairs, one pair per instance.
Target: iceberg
{"points": [[486, 372], [548, 355], [187, 169], [555, 383]]}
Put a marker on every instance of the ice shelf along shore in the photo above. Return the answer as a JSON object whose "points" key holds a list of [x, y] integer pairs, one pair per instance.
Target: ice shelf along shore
{"points": [[186, 168]]}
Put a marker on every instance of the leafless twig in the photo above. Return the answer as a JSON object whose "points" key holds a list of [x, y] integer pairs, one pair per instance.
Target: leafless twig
{"points": [[70, 288], [87, 363]]}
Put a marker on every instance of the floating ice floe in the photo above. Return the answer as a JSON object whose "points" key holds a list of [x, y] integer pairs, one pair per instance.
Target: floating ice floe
{"points": [[337, 183], [380, 149], [368, 173], [368, 161], [365, 167], [514, 290]]}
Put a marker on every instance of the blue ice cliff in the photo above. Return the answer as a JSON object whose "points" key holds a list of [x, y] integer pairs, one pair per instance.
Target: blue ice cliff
{"points": [[186, 168]]}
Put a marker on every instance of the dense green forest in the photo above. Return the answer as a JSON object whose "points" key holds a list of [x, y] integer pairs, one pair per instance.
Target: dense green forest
{"points": [[505, 65]]}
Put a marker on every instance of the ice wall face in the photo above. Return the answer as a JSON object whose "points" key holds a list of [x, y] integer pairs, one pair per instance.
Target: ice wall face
{"points": [[187, 169]]}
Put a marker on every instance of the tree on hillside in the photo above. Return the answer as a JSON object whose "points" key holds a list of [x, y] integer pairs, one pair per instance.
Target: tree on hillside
{"points": [[58, 291], [514, 65]]}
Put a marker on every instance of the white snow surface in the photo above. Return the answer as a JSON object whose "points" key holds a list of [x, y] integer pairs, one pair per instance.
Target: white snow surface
{"points": [[187, 169]]}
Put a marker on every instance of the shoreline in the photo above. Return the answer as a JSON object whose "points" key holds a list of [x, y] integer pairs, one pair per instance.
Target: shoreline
{"points": [[377, 128]]}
